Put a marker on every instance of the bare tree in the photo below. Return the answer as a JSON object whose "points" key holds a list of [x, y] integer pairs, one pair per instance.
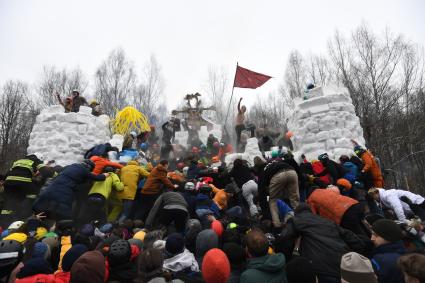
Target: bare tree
{"points": [[17, 116], [319, 71], [115, 82], [217, 87], [150, 91], [53, 81], [295, 74]]}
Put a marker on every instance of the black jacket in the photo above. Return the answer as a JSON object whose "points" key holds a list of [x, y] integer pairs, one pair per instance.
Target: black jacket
{"points": [[272, 168], [322, 241], [334, 169], [241, 174]]}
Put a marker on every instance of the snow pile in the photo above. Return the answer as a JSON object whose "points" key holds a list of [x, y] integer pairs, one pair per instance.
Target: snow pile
{"points": [[251, 151], [203, 133], [65, 137], [325, 121]]}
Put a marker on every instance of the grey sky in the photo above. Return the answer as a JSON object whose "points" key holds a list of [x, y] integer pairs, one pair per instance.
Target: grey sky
{"points": [[186, 36]]}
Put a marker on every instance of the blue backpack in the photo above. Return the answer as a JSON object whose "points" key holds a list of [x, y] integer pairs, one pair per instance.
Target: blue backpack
{"points": [[97, 150]]}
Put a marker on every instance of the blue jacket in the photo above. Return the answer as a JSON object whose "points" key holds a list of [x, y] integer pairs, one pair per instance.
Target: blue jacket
{"points": [[384, 261], [62, 188], [205, 205], [352, 171]]}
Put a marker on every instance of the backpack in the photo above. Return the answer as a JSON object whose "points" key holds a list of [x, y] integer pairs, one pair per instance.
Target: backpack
{"points": [[97, 150]]}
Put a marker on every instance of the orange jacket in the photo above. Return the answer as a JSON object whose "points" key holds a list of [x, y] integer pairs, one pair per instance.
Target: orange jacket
{"points": [[220, 197], [330, 204], [371, 166], [157, 177], [101, 163]]}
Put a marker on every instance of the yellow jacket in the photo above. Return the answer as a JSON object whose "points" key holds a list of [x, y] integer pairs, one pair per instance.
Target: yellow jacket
{"points": [[130, 176], [105, 187]]}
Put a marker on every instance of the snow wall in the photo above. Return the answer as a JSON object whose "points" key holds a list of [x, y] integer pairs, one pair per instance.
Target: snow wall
{"points": [[65, 137], [325, 121]]}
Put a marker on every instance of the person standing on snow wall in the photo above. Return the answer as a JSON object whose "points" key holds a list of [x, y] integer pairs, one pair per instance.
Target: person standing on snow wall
{"points": [[240, 119]]}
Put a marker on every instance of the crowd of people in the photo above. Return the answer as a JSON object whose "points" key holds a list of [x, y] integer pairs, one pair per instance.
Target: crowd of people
{"points": [[178, 213]]}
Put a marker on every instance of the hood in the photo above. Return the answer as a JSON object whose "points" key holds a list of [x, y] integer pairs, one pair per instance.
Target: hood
{"points": [[396, 247], [133, 162], [268, 263], [349, 165], [181, 262], [206, 240]]}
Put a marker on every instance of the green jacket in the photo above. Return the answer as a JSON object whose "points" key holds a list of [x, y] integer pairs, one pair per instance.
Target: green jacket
{"points": [[105, 187], [269, 268]]}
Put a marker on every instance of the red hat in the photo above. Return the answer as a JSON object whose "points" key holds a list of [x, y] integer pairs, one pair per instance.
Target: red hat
{"points": [[207, 180], [217, 227], [215, 267]]}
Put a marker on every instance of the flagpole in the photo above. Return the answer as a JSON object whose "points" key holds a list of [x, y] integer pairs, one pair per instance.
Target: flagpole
{"points": [[231, 96]]}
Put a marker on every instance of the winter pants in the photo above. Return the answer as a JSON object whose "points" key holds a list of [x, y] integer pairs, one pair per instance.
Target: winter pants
{"points": [[179, 216], [283, 185], [127, 205], [419, 210], [239, 129], [114, 209], [94, 209], [352, 220], [249, 191], [18, 201], [144, 206]]}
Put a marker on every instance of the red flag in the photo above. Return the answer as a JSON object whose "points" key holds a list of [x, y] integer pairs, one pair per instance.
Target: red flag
{"points": [[245, 78]]}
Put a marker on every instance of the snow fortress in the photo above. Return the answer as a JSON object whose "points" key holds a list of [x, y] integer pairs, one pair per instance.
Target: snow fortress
{"points": [[325, 121], [65, 137]]}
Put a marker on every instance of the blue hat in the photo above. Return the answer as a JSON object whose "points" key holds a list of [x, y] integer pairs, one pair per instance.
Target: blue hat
{"points": [[107, 228], [41, 250]]}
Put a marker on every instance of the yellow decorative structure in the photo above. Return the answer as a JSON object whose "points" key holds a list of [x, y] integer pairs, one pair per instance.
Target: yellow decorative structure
{"points": [[130, 119]]}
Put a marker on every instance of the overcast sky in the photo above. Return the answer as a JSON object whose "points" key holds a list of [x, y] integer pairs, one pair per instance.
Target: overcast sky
{"points": [[186, 36]]}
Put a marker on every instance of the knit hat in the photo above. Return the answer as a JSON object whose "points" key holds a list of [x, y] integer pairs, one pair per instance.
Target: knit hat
{"points": [[72, 255], [41, 250], [140, 235], [217, 227], [151, 262], [138, 243], [357, 268], [87, 230], [235, 253], [215, 267], [193, 227], [89, 268], [119, 252], [206, 240], [189, 186], [19, 237], [15, 225], [388, 230], [34, 266], [51, 239], [300, 270], [174, 244], [344, 183], [106, 228]]}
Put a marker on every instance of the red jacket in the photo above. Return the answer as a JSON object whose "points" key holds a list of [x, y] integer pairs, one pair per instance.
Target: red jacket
{"points": [[61, 277], [318, 168], [101, 163], [330, 204]]}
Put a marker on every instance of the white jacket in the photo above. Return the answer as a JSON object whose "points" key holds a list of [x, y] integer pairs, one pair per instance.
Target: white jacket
{"points": [[181, 261], [391, 199]]}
